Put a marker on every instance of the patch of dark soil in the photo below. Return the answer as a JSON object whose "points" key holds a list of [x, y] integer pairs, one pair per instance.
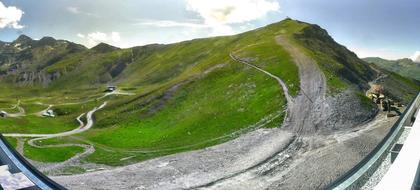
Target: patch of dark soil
{"points": [[161, 102]]}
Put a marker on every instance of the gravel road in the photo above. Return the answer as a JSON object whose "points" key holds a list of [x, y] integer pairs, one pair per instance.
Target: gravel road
{"points": [[21, 112], [80, 129]]}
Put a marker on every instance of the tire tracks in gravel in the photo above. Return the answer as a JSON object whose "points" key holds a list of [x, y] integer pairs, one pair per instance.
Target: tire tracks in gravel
{"points": [[88, 149]]}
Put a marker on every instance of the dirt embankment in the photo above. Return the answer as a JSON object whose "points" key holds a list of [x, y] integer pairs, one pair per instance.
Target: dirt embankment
{"points": [[312, 111]]}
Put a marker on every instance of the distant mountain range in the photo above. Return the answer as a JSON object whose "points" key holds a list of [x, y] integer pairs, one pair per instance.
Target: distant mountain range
{"points": [[405, 67]]}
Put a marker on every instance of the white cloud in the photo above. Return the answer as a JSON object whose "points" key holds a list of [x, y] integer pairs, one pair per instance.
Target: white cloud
{"points": [[416, 57], [217, 12], [10, 16], [218, 15], [222, 29], [78, 11], [74, 10], [80, 35], [385, 53], [95, 38], [115, 36], [170, 23]]}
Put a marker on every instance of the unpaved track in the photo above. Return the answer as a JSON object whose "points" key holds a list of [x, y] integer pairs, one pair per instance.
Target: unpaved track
{"points": [[80, 129], [116, 92], [282, 84], [187, 169], [253, 127], [88, 149], [40, 113], [306, 111], [21, 112]]}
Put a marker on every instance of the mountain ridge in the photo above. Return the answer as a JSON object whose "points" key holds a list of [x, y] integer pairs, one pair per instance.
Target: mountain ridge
{"points": [[405, 67]]}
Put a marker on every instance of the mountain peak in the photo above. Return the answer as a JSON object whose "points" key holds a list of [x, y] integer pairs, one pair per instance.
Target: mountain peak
{"points": [[23, 39], [104, 47], [46, 41], [47, 38]]}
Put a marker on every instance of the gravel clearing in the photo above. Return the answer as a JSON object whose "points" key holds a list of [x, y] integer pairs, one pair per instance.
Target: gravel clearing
{"points": [[187, 169]]}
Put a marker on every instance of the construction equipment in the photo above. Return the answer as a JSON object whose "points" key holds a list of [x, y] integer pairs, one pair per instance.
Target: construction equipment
{"points": [[376, 94], [376, 97]]}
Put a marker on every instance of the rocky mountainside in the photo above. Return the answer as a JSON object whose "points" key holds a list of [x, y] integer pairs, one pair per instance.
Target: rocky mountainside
{"points": [[24, 60], [335, 58]]}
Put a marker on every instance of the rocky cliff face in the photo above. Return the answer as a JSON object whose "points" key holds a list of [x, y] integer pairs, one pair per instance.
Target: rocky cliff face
{"points": [[31, 78], [24, 60]]}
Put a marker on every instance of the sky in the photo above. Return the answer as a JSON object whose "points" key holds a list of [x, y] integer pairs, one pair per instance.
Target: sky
{"points": [[374, 28]]}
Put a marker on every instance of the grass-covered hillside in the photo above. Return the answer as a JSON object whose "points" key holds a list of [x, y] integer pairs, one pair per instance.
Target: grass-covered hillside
{"points": [[182, 96], [404, 67]]}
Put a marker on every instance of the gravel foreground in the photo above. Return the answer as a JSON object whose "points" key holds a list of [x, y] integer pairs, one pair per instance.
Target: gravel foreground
{"points": [[309, 163], [187, 169]]}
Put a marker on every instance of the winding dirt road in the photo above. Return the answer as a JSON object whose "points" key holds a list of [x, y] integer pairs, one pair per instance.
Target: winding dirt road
{"points": [[116, 92], [21, 112], [281, 82], [88, 149], [80, 129], [40, 113]]}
